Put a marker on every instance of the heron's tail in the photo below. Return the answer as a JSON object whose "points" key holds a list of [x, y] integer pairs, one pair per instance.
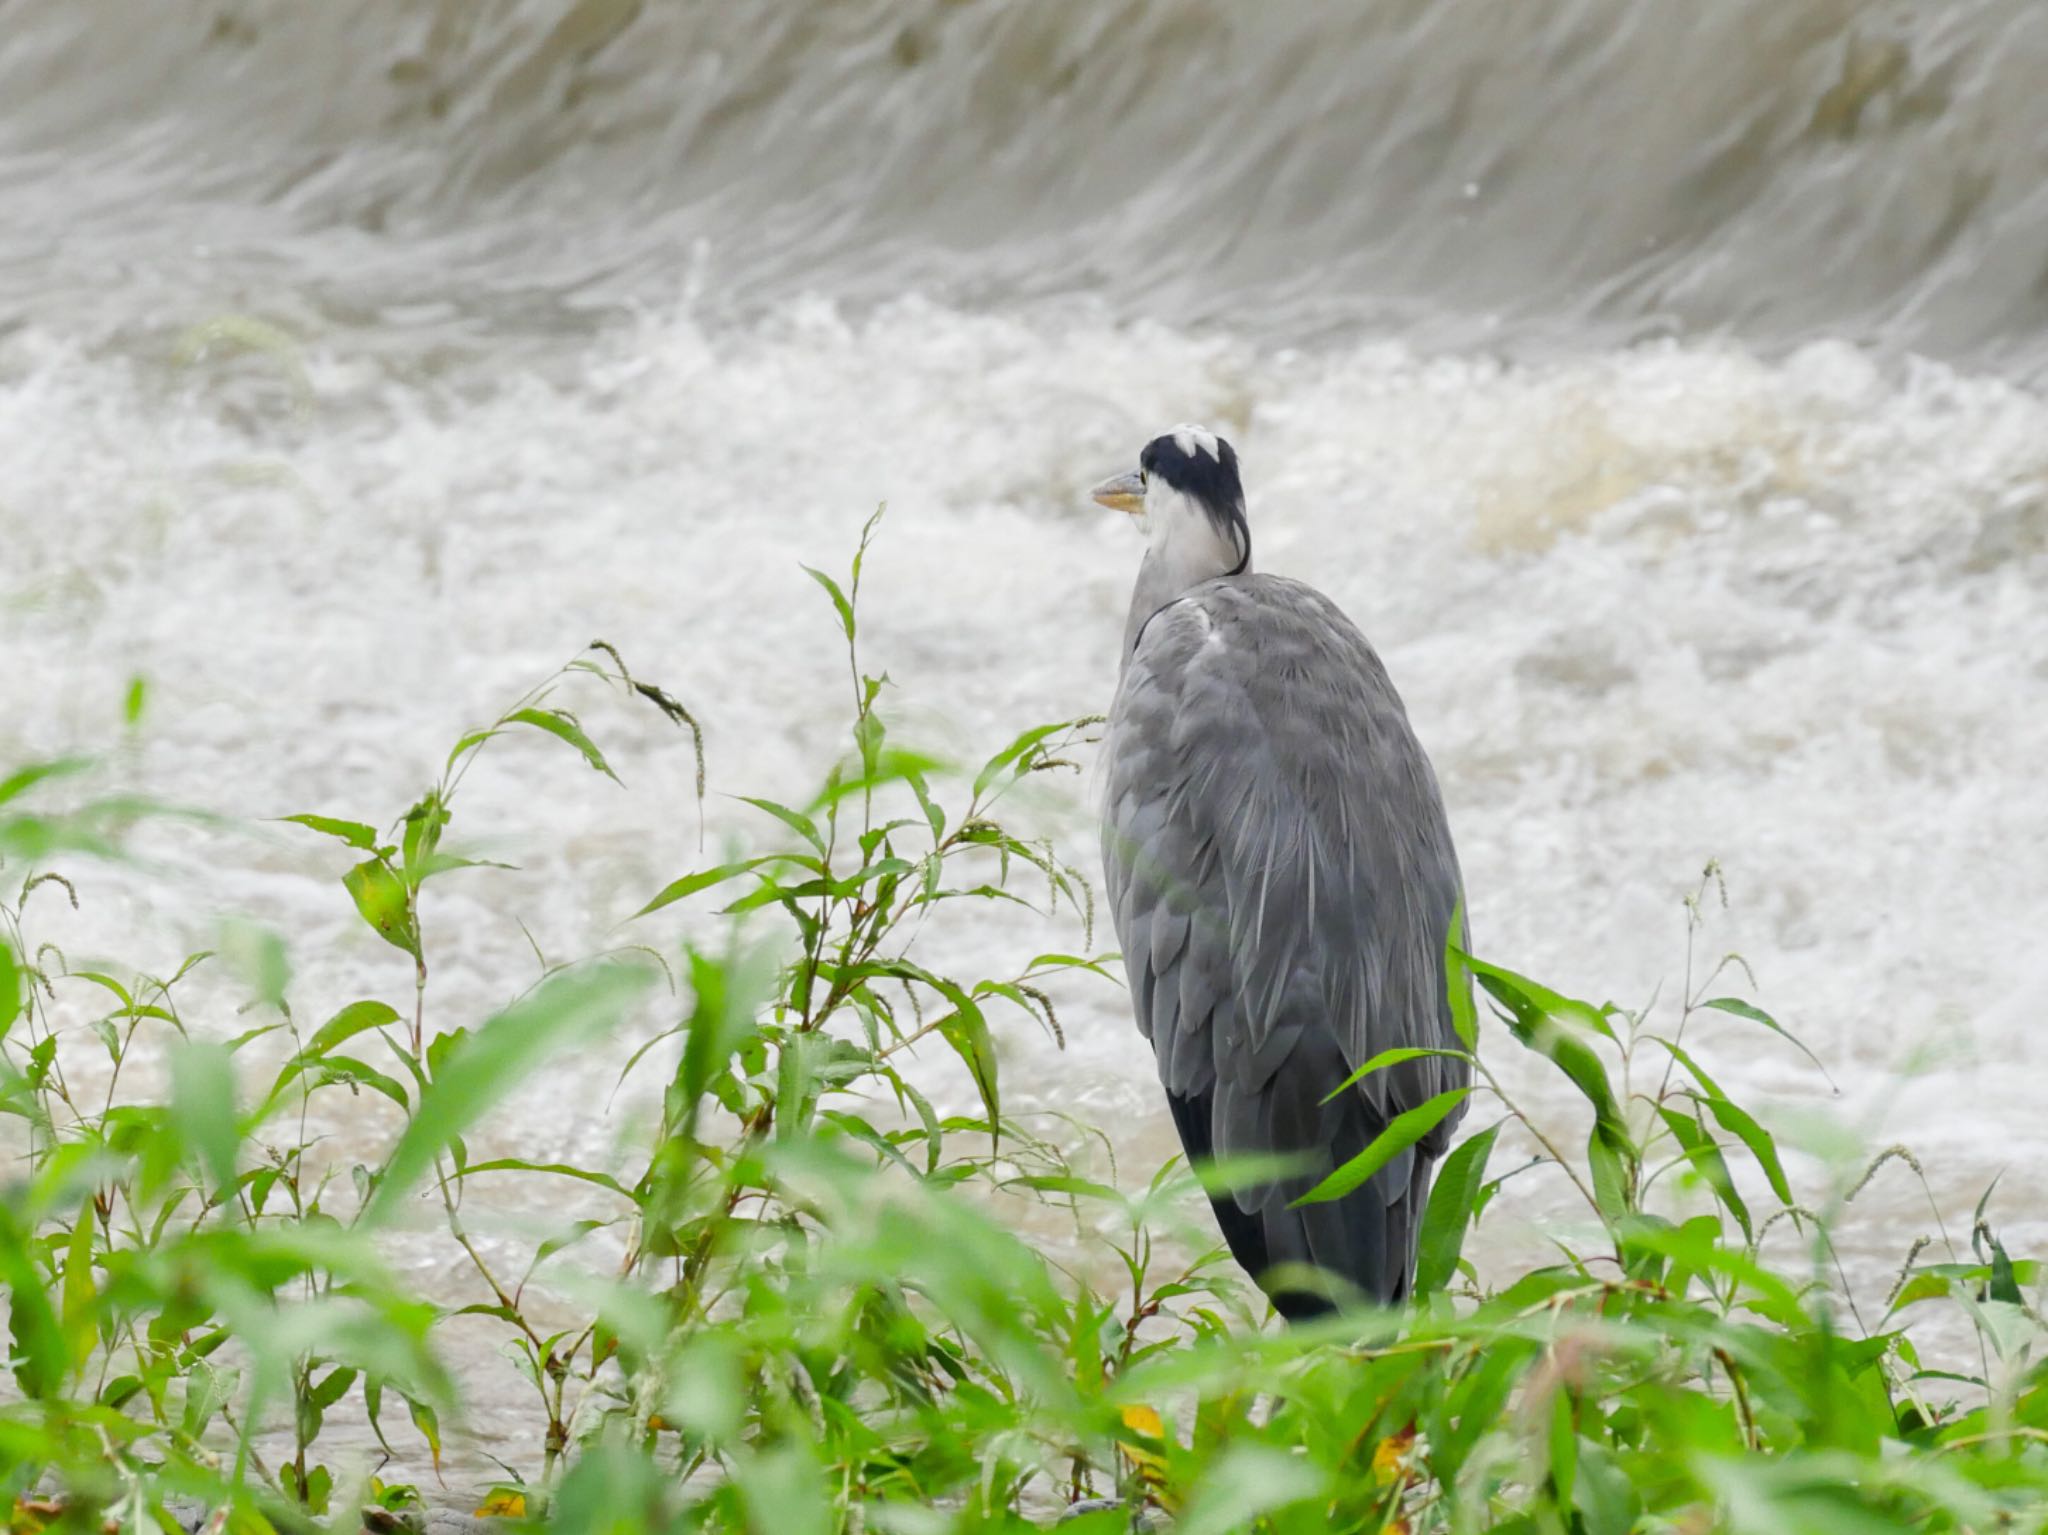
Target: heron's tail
{"points": [[1364, 1241]]}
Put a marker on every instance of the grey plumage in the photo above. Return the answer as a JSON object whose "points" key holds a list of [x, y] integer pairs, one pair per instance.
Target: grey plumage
{"points": [[1282, 880]]}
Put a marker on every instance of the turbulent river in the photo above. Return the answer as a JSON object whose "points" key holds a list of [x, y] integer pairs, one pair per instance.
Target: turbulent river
{"points": [[1656, 383]]}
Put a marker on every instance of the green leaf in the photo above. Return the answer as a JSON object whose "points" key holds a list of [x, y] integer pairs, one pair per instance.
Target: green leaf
{"points": [[1449, 1212], [373, 1406], [40, 1357], [1737, 1122], [839, 602], [563, 725], [1704, 1154], [258, 957], [21, 780], [1404, 1131], [203, 1108], [1458, 981], [928, 1117], [1699, 1073], [1610, 1176], [334, 1387], [703, 879], [11, 990], [81, 1331], [868, 734], [1696, 1246], [1078, 1188], [349, 1022], [797, 822], [421, 835], [468, 744], [935, 817], [354, 833], [966, 1030], [106, 982], [1936, 1281], [334, 1069], [1564, 1448], [1244, 1482], [446, 863], [559, 1169], [2004, 1284], [1014, 755], [570, 1008], [1547, 1023], [1388, 1058], [119, 1391], [380, 895], [428, 1422], [1741, 1009], [134, 701]]}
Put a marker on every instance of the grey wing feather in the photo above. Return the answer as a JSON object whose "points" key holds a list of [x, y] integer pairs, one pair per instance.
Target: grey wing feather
{"points": [[1281, 876]]}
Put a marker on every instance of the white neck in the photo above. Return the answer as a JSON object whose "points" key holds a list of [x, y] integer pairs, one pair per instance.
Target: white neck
{"points": [[1183, 549]]}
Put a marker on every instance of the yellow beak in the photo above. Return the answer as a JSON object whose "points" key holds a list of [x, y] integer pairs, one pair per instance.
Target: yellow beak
{"points": [[1123, 493]]}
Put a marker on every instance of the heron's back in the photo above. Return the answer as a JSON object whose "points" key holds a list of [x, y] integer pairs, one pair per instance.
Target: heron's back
{"points": [[1282, 880]]}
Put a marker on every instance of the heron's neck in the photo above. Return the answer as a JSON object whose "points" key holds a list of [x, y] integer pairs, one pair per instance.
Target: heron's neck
{"points": [[1174, 566]]}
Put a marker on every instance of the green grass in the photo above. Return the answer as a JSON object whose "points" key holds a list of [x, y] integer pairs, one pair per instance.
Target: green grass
{"points": [[825, 1318]]}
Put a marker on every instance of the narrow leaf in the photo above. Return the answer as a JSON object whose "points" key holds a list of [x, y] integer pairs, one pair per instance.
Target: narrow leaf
{"points": [[1458, 982], [1009, 756], [1704, 1154], [354, 833], [11, 991], [1741, 1009], [1738, 1123], [562, 725], [1449, 1213], [1404, 1131], [839, 602], [203, 1108], [1388, 1058], [349, 1022], [23, 779], [703, 879], [571, 1008], [801, 824], [560, 1169]]}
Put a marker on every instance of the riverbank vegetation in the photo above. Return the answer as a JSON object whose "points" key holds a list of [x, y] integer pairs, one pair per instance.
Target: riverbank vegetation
{"points": [[804, 1303]]}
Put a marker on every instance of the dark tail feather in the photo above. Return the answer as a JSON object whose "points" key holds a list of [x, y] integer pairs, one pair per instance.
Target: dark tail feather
{"points": [[1245, 1233], [1366, 1239]]}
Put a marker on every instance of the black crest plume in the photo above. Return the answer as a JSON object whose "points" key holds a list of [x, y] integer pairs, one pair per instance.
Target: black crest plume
{"points": [[1210, 481]]}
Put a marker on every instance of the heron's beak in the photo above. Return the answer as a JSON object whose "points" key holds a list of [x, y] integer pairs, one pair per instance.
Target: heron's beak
{"points": [[1124, 493]]}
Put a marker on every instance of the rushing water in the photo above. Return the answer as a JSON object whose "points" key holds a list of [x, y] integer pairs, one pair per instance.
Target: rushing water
{"points": [[1653, 381]]}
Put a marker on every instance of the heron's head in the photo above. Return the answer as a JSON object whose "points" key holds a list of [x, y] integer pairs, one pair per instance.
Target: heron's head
{"points": [[1188, 500]]}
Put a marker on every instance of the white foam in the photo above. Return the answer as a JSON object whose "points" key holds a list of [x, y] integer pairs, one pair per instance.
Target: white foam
{"points": [[1645, 608]]}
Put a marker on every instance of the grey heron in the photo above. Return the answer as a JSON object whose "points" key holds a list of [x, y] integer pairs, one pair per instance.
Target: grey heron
{"points": [[1280, 872]]}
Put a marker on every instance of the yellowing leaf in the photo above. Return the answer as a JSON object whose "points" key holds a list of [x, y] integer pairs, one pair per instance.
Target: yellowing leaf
{"points": [[1149, 1464], [1140, 1419], [1393, 1458], [503, 1503], [428, 1422]]}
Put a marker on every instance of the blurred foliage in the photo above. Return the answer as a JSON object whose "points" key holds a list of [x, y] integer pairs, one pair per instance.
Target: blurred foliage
{"points": [[818, 1313]]}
